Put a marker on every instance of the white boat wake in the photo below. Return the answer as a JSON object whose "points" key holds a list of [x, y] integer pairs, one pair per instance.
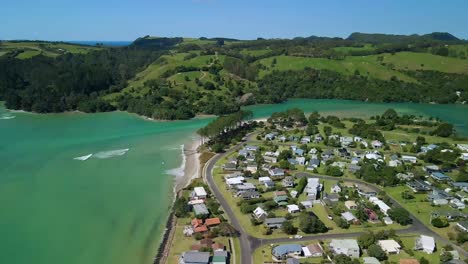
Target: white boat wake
{"points": [[104, 154], [110, 153], [6, 117], [85, 157]]}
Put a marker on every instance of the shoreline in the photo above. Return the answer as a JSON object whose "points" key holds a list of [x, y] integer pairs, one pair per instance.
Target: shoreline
{"points": [[191, 171]]}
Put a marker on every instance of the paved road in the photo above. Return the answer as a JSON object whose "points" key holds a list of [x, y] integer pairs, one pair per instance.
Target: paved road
{"points": [[249, 244]]}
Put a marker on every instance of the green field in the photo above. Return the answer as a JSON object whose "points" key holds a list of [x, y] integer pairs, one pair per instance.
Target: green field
{"points": [[51, 49], [346, 50]]}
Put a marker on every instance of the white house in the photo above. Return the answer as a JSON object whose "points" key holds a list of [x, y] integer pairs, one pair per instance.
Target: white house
{"points": [[351, 205], [464, 156], [199, 192], [348, 216], [390, 246], [264, 179], [348, 247], [335, 189], [425, 243], [382, 206], [293, 208], [376, 144], [312, 188], [259, 213], [231, 182], [410, 159]]}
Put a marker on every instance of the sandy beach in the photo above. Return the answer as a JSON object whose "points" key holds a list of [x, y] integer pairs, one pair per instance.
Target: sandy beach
{"points": [[192, 164]]}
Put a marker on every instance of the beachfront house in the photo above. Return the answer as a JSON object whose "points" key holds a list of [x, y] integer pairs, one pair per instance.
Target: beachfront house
{"points": [[348, 247], [200, 210], [198, 193], [195, 257]]}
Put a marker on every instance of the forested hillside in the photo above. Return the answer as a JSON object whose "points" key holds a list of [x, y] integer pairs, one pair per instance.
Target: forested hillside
{"points": [[177, 78]]}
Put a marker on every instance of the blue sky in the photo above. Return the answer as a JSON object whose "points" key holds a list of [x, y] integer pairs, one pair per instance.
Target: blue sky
{"points": [[243, 19]]}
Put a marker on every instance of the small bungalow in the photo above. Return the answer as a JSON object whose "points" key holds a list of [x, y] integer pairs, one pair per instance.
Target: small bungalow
{"points": [[335, 189], [276, 222], [410, 159], [194, 257], [259, 213], [440, 177], [464, 156], [307, 204], [313, 151], [345, 141], [198, 193], [270, 136], [305, 140], [425, 243], [299, 152], [230, 167], [219, 257], [212, 222], [318, 138], [288, 182], [249, 195], [364, 190], [312, 251], [418, 186], [200, 210], [246, 186], [376, 144], [387, 220], [405, 176], [276, 172], [233, 182], [293, 208], [349, 217], [390, 246], [431, 168], [264, 179], [353, 168], [269, 184], [348, 247], [351, 205], [251, 148], [451, 215], [463, 226], [282, 252], [457, 204], [313, 164], [270, 159], [371, 215]]}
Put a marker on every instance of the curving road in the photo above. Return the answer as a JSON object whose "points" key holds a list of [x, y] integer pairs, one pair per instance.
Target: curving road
{"points": [[249, 244]]}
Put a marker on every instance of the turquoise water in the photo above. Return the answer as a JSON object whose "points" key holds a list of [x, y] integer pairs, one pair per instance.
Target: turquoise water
{"points": [[55, 209]]}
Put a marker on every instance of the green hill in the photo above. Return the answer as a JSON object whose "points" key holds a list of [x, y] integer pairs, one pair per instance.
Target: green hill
{"points": [[177, 78]]}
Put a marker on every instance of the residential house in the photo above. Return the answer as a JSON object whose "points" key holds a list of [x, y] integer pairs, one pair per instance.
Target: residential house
{"points": [[282, 138], [366, 191], [390, 246], [394, 163], [327, 154], [273, 223], [457, 204], [387, 220], [212, 222], [335, 189], [382, 206], [313, 151], [282, 252], [246, 186], [463, 226], [312, 251], [451, 215], [331, 199], [220, 257], [281, 200], [370, 260], [418, 186], [307, 204], [343, 153], [270, 136], [288, 182], [251, 148], [410, 159], [299, 152], [438, 194], [270, 159], [318, 138], [252, 167], [293, 208], [313, 188], [440, 177], [198, 193], [353, 168], [194, 257], [233, 182], [259, 213], [249, 195], [371, 215], [200, 210], [405, 176], [264, 179], [313, 164], [373, 156], [349, 217], [269, 184], [276, 172], [348, 247], [376, 144], [345, 141], [198, 226], [305, 140], [464, 156], [351, 205], [357, 139], [431, 168], [292, 261], [425, 243]]}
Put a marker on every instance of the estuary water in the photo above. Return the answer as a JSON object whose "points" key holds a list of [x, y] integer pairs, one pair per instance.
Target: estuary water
{"points": [[96, 188]]}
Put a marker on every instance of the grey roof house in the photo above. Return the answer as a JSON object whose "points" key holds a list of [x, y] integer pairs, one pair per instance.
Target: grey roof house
{"points": [[194, 257]]}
